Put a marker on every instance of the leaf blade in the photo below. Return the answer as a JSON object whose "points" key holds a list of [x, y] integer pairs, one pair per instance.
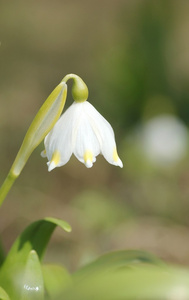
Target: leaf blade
{"points": [[32, 283], [35, 237]]}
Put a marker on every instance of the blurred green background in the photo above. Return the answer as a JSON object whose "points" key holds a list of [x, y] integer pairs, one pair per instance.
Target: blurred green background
{"points": [[134, 57]]}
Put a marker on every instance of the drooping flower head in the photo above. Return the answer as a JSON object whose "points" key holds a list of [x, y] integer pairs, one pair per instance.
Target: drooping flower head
{"points": [[81, 131]]}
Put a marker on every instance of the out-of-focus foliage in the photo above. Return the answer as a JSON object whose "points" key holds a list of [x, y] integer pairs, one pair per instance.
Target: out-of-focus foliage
{"points": [[121, 274], [145, 283], [143, 69], [56, 280]]}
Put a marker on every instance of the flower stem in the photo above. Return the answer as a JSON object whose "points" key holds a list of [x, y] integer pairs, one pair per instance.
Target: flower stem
{"points": [[79, 88], [6, 186]]}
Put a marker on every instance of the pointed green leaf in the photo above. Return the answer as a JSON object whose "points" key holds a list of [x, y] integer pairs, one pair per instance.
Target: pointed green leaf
{"points": [[32, 284], [56, 279], [3, 294], [35, 237], [61, 223]]}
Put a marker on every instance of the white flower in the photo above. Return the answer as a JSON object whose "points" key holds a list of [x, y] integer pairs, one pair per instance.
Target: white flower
{"points": [[81, 130]]}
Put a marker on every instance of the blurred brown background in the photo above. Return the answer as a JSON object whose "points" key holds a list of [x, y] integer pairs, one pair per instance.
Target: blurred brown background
{"points": [[134, 57]]}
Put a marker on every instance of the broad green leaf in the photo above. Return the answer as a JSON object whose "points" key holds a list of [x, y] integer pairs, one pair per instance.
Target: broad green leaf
{"points": [[56, 279], [32, 283], [35, 237], [118, 259], [3, 294], [144, 282]]}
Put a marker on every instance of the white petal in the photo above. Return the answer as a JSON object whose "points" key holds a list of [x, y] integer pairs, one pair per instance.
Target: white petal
{"points": [[51, 165], [60, 137], [104, 134], [85, 139], [89, 163], [55, 160]]}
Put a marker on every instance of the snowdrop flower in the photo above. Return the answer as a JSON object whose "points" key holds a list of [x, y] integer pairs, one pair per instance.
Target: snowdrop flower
{"points": [[80, 130], [83, 131]]}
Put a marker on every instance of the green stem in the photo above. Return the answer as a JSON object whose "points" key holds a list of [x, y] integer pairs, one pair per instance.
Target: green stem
{"points": [[6, 186]]}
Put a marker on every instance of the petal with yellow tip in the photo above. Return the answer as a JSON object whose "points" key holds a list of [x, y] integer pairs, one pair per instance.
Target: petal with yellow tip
{"points": [[54, 161], [88, 159]]}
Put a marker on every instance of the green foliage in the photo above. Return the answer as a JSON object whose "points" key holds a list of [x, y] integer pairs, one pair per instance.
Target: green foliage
{"points": [[113, 276], [118, 275], [21, 267], [128, 275], [3, 294]]}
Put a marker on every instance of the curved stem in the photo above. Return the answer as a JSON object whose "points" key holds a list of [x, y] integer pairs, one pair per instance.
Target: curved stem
{"points": [[69, 76], [79, 88]]}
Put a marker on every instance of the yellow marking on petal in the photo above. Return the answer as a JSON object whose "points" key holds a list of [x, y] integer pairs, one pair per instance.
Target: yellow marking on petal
{"points": [[55, 158], [88, 156], [115, 155]]}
